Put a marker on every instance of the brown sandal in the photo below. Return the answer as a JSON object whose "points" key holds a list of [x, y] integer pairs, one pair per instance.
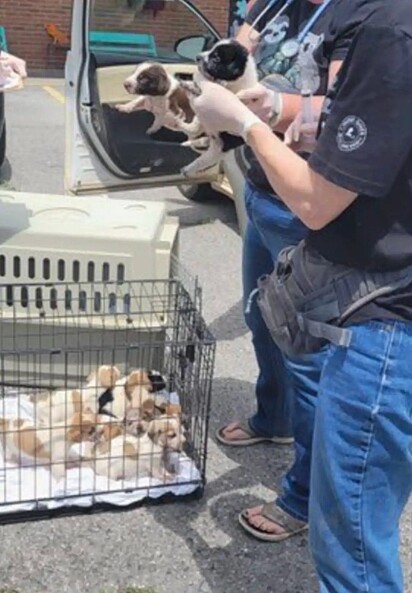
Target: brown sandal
{"points": [[251, 439], [276, 515]]}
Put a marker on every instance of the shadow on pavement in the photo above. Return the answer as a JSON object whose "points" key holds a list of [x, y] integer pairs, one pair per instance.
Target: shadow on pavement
{"points": [[229, 560]]}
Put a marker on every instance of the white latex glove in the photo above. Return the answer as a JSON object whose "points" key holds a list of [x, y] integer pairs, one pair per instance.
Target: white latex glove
{"points": [[301, 137], [16, 64], [262, 101], [219, 110]]}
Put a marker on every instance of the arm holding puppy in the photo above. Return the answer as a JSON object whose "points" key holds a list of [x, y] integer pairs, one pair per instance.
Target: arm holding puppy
{"points": [[312, 198], [275, 108]]}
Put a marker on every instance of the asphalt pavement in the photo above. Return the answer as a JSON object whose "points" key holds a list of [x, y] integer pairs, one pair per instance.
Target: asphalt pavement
{"points": [[185, 547]]}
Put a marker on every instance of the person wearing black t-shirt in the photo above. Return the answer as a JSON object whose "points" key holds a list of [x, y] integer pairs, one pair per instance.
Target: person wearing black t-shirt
{"points": [[354, 194], [279, 37]]}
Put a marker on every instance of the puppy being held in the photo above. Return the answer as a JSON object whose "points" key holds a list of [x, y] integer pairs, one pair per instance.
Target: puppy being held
{"points": [[230, 65], [160, 93]]}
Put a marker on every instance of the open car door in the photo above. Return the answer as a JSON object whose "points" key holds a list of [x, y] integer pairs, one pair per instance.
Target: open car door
{"points": [[107, 149]]}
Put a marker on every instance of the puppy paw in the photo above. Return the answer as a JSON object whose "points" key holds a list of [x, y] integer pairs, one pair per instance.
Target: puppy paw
{"points": [[123, 108], [152, 130], [186, 172]]}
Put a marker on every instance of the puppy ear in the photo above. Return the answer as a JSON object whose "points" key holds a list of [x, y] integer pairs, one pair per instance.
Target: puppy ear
{"points": [[173, 410], [74, 433], [136, 378], [153, 429], [76, 419], [111, 431], [148, 406], [108, 376]]}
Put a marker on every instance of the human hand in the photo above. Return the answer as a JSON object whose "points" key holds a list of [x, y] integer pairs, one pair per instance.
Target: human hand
{"points": [[262, 101], [301, 136], [17, 65], [219, 110]]}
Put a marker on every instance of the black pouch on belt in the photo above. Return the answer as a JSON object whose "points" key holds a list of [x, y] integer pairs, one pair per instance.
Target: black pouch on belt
{"points": [[307, 299]]}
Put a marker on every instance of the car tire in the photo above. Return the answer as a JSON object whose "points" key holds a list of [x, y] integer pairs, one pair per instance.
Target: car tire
{"points": [[199, 192], [3, 146]]}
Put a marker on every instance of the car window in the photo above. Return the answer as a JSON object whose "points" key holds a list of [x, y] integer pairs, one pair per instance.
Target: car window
{"points": [[165, 30]]}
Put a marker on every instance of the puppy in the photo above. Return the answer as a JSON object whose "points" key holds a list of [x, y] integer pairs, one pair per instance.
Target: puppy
{"points": [[59, 405], [160, 92], [230, 64], [142, 403], [127, 457], [129, 392], [25, 443], [168, 433], [165, 408]]}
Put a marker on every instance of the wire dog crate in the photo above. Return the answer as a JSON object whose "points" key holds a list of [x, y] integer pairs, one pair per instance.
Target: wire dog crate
{"points": [[67, 439], [104, 383]]}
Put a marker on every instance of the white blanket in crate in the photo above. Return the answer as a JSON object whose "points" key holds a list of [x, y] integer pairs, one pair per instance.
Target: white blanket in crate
{"points": [[21, 487]]}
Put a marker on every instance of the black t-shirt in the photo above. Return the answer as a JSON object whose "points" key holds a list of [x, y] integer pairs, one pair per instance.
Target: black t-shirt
{"points": [[328, 40], [365, 146]]}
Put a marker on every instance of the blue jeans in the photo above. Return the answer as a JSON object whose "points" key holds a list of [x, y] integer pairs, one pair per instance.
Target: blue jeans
{"points": [[286, 391], [271, 227], [361, 474]]}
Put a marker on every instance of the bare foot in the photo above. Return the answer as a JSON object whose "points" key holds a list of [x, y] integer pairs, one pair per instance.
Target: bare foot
{"points": [[255, 519]]}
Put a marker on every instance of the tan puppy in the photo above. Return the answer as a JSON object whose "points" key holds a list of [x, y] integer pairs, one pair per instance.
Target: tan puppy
{"points": [[25, 443], [167, 432], [60, 405]]}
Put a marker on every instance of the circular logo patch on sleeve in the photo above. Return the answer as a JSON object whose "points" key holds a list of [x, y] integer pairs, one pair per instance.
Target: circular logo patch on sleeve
{"points": [[352, 133]]}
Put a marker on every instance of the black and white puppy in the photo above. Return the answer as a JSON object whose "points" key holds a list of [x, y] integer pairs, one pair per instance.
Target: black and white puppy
{"points": [[231, 65]]}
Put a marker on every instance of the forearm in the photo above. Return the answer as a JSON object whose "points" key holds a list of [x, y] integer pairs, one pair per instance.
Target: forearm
{"points": [[291, 106], [313, 199], [246, 35]]}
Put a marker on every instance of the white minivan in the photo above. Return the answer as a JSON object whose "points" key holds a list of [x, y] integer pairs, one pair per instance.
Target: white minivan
{"points": [[108, 150]]}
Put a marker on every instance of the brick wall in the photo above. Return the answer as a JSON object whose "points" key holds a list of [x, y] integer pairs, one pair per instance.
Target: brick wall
{"points": [[27, 38]]}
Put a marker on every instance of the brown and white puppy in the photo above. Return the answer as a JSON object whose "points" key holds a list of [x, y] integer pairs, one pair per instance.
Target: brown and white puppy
{"points": [[133, 391], [126, 457], [142, 403], [24, 443], [160, 93], [60, 405], [231, 65], [167, 432]]}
